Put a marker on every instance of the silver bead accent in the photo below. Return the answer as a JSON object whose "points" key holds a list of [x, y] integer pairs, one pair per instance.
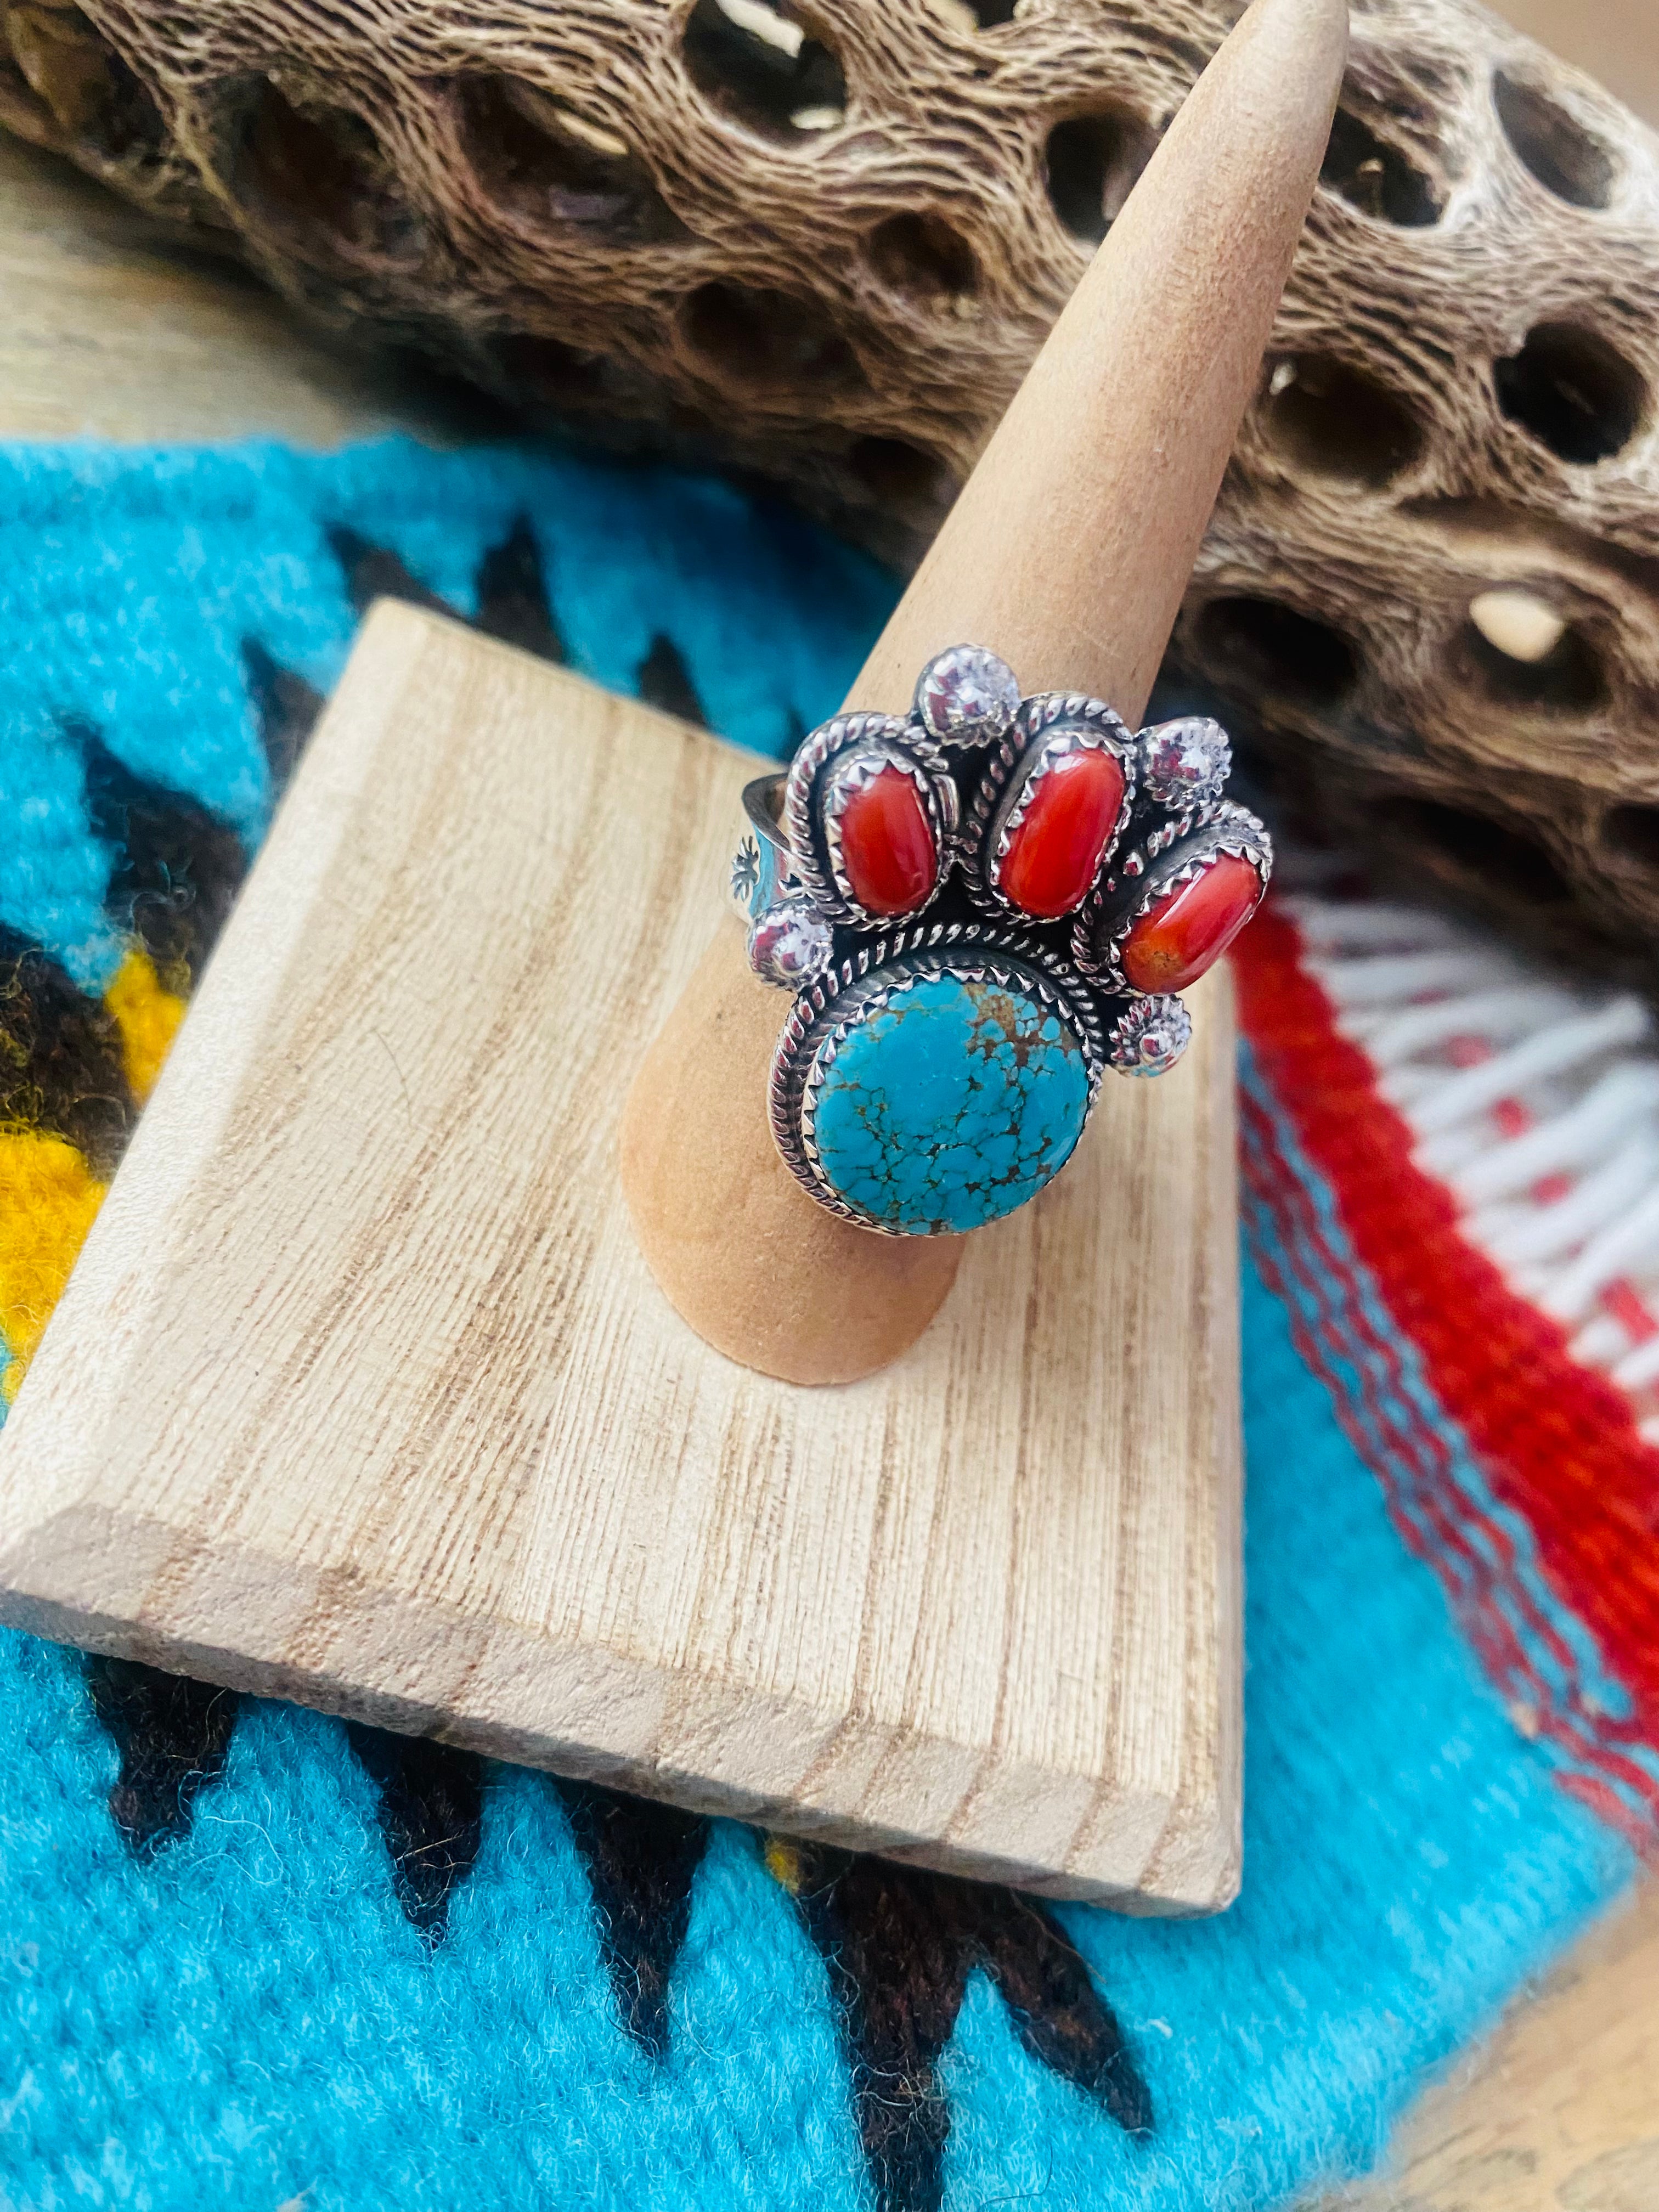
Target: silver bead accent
{"points": [[791, 945], [1150, 1036], [967, 696], [1184, 762]]}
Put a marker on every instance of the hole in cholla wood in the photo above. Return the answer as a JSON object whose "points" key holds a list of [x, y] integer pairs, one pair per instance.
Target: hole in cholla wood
{"points": [[765, 341], [1253, 645], [1472, 854], [86, 86], [317, 173], [922, 256], [1335, 419], [1631, 833], [1573, 391], [762, 66], [1092, 163], [979, 15], [1564, 157], [1377, 178], [1567, 678], [902, 476], [546, 164], [546, 371], [1523, 624]]}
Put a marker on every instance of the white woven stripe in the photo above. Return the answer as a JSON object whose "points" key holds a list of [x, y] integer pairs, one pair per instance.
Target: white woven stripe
{"points": [[1535, 1100]]}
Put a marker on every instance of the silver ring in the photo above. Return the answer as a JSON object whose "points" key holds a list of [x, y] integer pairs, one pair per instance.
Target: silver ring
{"points": [[979, 909]]}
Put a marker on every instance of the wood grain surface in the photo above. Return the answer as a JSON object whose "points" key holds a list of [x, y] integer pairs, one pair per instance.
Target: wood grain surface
{"points": [[1560, 2112], [360, 1393], [1557, 2113], [112, 328]]}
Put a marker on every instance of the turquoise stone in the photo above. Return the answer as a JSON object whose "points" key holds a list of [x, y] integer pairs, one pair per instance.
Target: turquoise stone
{"points": [[950, 1106]]}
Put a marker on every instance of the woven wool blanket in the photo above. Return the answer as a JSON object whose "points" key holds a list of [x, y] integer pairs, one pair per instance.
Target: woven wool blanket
{"points": [[251, 1956]]}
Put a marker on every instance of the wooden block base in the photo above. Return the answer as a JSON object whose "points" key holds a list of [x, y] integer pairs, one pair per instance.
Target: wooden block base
{"points": [[362, 1395]]}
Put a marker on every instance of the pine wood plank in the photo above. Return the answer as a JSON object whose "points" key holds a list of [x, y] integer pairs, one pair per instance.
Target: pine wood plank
{"points": [[112, 327], [361, 1393], [1559, 2112]]}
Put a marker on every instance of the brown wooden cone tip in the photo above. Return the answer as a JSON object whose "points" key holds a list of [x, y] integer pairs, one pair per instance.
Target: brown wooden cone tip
{"points": [[1068, 553]]}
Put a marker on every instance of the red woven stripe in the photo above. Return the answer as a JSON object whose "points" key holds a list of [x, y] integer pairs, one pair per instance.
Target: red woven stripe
{"points": [[1421, 1504], [1409, 1458], [1557, 1442]]}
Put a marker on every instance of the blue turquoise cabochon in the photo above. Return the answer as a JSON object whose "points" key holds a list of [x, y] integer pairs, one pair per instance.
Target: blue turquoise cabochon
{"points": [[949, 1105]]}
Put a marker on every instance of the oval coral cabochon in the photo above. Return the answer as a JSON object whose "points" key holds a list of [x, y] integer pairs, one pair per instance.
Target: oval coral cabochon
{"points": [[949, 1106], [888, 853], [1054, 854], [1183, 936]]}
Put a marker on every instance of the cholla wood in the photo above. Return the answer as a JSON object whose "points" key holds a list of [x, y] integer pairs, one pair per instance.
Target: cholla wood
{"points": [[824, 243], [360, 1393]]}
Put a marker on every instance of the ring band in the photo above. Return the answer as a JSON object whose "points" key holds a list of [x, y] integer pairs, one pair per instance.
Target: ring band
{"points": [[980, 909]]}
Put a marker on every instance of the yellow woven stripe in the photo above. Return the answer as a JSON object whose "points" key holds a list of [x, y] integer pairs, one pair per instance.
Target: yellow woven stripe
{"points": [[48, 1196], [146, 1015], [783, 1863]]}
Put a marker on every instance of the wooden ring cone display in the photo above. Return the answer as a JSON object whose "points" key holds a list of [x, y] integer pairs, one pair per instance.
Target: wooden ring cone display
{"points": [[1068, 554]]}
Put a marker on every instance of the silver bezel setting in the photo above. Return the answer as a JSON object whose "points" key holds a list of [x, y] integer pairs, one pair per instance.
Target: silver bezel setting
{"points": [[1048, 728], [832, 762], [854, 771], [1144, 877], [823, 1016]]}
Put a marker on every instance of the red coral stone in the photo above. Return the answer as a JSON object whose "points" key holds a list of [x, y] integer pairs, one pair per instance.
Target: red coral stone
{"points": [[887, 848], [1188, 933], [1053, 857]]}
